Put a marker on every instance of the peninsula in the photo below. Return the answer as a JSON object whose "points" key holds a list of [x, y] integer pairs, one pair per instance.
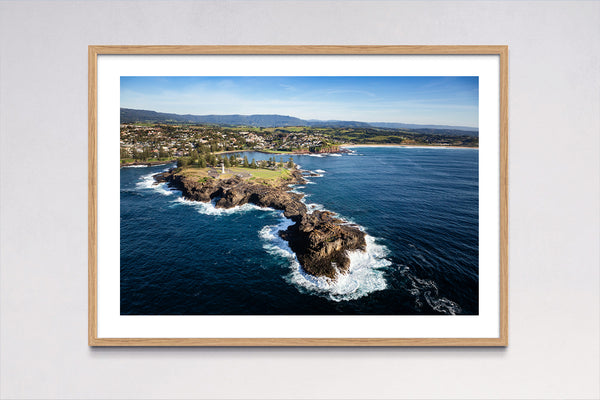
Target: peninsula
{"points": [[319, 240]]}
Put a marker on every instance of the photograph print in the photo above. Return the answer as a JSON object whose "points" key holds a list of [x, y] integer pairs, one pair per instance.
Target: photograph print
{"points": [[299, 195]]}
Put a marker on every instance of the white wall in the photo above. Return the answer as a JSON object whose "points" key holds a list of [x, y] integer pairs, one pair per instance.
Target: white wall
{"points": [[554, 203]]}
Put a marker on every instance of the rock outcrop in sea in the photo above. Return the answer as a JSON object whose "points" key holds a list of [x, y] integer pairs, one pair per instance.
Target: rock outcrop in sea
{"points": [[320, 240]]}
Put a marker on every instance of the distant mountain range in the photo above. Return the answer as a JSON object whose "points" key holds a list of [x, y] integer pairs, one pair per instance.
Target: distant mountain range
{"points": [[129, 115]]}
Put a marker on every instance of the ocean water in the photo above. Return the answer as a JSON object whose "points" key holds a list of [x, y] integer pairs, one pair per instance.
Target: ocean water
{"points": [[418, 207]]}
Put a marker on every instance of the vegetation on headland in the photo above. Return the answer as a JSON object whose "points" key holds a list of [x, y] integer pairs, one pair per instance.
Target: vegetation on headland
{"points": [[204, 166], [149, 143], [272, 177]]}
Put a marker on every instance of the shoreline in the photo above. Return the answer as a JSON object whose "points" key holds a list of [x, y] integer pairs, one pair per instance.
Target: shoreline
{"points": [[351, 145], [416, 146], [294, 153], [146, 163], [291, 153]]}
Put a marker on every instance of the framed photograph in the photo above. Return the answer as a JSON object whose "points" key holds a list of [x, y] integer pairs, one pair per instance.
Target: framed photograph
{"points": [[298, 196]]}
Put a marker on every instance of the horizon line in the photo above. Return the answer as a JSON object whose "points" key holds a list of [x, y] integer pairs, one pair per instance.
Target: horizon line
{"points": [[307, 119]]}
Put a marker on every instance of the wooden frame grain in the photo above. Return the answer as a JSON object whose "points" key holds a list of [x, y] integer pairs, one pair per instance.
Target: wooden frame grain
{"points": [[94, 51]]}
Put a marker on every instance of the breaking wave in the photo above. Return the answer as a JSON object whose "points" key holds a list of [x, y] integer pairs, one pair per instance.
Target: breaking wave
{"points": [[296, 189], [365, 275], [148, 182], [427, 290], [209, 208], [310, 207], [273, 243], [314, 206]]}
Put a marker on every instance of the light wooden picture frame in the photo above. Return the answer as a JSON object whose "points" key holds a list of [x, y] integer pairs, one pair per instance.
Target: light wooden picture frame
{"points": [[108, 64]]}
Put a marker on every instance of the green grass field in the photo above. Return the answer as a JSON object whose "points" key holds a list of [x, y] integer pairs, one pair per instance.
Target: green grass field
{"points": [[266, 176], [263, 173]]}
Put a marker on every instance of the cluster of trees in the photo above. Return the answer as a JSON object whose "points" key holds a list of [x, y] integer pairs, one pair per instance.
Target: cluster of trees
{"points": [[145, 154], [325, 148], [270, 163], [202, 160]]}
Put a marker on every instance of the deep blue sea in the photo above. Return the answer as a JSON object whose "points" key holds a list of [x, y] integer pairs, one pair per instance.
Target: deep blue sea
{"points": [[418, 206]]}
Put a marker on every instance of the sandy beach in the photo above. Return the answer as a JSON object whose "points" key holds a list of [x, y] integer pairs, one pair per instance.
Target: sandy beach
{"points": [[406, 145]]}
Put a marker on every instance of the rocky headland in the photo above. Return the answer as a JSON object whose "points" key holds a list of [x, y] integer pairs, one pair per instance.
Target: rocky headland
{"points": [[320, 240]]}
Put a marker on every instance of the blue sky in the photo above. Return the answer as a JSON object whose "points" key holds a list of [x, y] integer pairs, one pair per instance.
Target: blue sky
{"points": [[414, 100]]}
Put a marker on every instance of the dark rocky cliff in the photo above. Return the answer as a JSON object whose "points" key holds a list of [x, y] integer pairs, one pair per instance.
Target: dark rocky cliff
{"points": [[320, 240]]}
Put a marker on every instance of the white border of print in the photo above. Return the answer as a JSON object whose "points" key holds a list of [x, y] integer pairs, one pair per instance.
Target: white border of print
{"points": [[113, 325]]}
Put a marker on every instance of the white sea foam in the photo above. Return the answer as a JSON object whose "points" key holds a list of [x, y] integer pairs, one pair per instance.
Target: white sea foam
{"points": [[312, 174], [334, 155], [427, 289], [364, 276], [134, 166], [273, 243], [164, 189], [442, 304], [310, 207], [316, 155], [314, 206], [208, 208], [295, 189], [320, 171], [148, 182]]}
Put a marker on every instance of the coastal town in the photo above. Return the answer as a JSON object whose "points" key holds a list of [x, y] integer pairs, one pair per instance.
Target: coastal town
{"points": [[148, 142], [160, 141]]}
